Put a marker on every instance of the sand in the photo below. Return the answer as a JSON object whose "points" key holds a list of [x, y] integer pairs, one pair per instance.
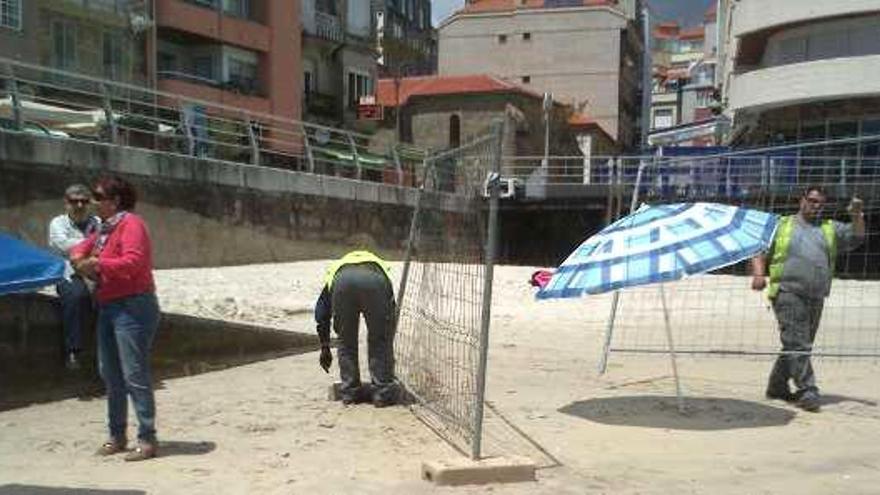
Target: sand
{"points": [[268, 427]]}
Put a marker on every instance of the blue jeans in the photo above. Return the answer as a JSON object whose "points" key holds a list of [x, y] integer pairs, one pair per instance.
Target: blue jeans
{"points": [[126, 328], [76, 309]]}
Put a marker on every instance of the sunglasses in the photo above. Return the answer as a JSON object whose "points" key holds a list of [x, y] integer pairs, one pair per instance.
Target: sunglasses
{"points": [[79, 201], [99, 196]]}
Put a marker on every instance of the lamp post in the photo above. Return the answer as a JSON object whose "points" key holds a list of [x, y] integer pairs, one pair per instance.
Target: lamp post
{"points": [[547, 107]]}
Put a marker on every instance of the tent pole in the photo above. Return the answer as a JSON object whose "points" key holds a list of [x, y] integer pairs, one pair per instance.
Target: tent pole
{"points": [[678, 397]]}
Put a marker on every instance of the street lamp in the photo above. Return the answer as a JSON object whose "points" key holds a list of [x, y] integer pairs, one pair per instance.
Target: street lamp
{"points": [[547, 107]]}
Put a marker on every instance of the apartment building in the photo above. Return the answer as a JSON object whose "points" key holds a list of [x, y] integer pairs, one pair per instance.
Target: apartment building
{"points": [[587, 53], [405, 39], [99, 38], [683, 82], [796, 74], [339, 59], [241, 53]]}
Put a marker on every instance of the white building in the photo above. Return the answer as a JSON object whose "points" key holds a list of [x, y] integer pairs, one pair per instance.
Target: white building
{"points": [[796, 70]]}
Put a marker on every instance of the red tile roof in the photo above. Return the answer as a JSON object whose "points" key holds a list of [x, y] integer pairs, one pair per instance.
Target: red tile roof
{"points": [[711, 13], [478, 6], [694, 33], [449, 85]]}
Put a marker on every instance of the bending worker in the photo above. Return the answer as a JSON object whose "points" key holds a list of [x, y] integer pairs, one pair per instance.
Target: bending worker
{"points": [[802, 258], [359, 283]]}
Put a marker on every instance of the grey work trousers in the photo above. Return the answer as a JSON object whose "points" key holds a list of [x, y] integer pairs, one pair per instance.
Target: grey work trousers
{"points": [[364, 289], [798, 319]]}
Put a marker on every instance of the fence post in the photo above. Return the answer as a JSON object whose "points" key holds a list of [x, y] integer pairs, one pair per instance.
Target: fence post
{"points": [[396, 157], [255, 144], [308, 145], [354, 152], [491, 248], [187, 131], [16, 98], [108, 114]]}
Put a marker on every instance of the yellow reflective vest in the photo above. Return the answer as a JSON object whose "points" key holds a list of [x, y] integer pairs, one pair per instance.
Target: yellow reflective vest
{"points": [[355, 258], [782, 243]]}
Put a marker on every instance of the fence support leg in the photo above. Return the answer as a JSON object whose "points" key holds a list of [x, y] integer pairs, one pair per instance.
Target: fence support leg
{"points": [[354, 152], [308, 146]]}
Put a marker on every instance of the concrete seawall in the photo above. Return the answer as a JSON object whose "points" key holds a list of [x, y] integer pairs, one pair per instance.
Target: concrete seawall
{"points": [[206, 212]]}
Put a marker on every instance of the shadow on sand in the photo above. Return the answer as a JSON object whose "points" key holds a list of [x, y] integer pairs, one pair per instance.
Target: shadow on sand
{"points": [[168, 448], [828, 399], [701, 413], [59, 490]]}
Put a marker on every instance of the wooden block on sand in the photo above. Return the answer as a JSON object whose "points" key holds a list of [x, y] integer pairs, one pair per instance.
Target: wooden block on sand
{"points": [[468, 472]]}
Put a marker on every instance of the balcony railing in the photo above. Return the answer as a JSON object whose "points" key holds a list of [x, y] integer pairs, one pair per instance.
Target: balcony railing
{"points": [[243, 85], [328, 27]]}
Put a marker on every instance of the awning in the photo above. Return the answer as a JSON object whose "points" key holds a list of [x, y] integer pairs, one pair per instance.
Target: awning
{"points": [[24, 267]]}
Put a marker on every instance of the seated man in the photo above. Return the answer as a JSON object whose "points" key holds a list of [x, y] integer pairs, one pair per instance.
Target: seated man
{"points": [[359, 283], [66, 231]]}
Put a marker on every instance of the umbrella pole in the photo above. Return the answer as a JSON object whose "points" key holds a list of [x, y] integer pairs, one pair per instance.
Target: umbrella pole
{"points": [[678, 397], [609, 331]]}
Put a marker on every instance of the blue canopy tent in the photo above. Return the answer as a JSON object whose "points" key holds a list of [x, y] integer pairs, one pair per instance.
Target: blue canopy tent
{"points": [[24, 267]]}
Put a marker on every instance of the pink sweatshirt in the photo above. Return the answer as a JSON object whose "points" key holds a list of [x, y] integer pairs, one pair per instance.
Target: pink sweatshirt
{"points": [[125, 265]]}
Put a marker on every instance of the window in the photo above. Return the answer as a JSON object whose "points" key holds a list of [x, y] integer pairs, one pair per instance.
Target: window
{"points": [[527, 36], [454, 131], [359, 84], [167, 62], [113, 66], [502, 39], [238, 8], [204, 67], [526, 79], [242, 75], [63, 44], [308, 83], [10, 13], [663, 118]]}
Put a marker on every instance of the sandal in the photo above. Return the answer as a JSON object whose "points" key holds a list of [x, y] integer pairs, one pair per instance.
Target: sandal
{"points": [[111, 447], [142, 452]]}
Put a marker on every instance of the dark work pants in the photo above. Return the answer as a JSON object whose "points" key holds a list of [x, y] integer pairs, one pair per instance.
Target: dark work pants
{"points": [[76, 311], [798, 319], [364, 289]]}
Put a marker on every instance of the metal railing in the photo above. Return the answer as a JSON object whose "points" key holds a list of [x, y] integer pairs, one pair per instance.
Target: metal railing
{"points": [[74, 106]]}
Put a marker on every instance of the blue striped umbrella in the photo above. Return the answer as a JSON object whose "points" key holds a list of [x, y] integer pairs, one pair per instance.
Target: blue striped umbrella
{"points": [[660, 244]]}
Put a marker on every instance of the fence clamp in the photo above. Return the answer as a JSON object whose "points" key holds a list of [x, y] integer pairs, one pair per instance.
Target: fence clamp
{"points": [[506, 186]]}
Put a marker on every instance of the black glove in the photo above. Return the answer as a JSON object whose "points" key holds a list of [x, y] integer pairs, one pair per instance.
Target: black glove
{"points": [[326, 358]]}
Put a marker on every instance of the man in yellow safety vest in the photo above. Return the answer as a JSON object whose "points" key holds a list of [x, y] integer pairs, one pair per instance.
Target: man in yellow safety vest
{"points": [[801, 266], [359, 283]]}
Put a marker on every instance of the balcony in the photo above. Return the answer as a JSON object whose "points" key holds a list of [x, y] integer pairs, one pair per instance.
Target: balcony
{"points": [[757, 15], [821, 80], [209, 22], [322, 105], [237, 92], [328, 27]]}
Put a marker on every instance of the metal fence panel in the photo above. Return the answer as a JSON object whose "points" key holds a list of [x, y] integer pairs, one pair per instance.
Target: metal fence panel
{"points": [[445, 295]]}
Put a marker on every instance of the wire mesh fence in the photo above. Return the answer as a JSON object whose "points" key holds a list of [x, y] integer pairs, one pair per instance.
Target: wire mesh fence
{"points": [[718, 313], [445, 294]]}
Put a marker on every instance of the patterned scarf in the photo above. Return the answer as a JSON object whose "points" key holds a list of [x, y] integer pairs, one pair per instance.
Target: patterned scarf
{"points": [[107, 228]]}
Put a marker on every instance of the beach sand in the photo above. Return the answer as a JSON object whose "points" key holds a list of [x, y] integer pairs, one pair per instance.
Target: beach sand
{"points": [[269, 428]]}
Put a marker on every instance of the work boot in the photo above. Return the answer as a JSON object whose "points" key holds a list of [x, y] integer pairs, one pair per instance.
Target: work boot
{"points": [[780, 394], [809, 402]]}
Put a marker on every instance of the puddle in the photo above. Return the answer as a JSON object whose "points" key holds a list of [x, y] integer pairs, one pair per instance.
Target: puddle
{"points": [[32, 370]]}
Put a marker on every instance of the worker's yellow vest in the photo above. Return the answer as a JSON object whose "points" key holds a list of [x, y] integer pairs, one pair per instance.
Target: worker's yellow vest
{"points": [[355, 258], [782, 243]]}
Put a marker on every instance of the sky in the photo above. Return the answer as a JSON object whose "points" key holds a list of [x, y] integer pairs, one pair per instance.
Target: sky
{"points": [[688, 12]]}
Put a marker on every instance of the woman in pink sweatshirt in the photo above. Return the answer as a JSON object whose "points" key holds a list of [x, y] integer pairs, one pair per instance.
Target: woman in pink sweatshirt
{"points": [[119, 259]]}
